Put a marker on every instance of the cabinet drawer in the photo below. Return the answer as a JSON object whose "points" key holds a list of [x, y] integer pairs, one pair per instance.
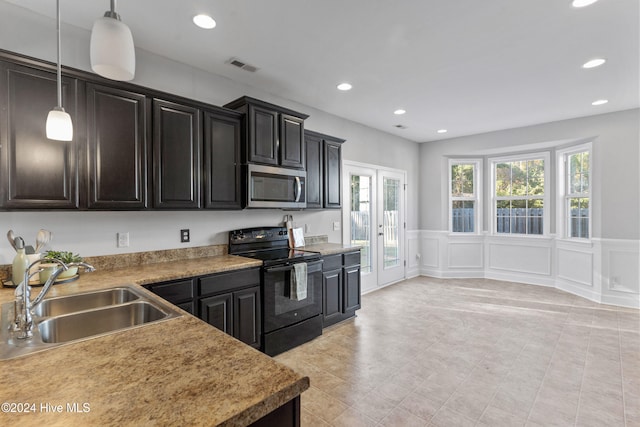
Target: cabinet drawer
{"points": [[173, 291], [228, 281], [331, 262], [352, 258]]}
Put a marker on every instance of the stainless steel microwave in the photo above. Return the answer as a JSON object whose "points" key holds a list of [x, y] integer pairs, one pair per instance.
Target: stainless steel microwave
{"points": [[274, 187]]}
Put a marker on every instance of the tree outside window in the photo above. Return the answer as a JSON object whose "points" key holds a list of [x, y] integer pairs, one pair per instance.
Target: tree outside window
{"points": [[463, 196], [519, 195]]}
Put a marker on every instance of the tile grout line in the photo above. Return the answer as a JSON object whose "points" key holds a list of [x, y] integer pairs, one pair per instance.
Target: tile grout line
{"points": [[498, 388], [546, 371], [624, 403], [584, 372]]}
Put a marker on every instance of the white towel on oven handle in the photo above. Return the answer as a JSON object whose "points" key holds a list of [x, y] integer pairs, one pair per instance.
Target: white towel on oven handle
{"points": [[298, 282]]}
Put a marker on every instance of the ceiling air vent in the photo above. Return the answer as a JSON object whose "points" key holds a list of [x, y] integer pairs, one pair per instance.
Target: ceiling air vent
{"points": [[242, 65], [400, 126]]}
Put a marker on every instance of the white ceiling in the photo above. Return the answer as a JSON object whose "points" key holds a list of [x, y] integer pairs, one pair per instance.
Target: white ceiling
{"points": [[468, 66]]}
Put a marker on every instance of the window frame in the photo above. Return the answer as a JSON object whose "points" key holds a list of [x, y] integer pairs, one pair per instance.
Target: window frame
{"points": [[563, 216], [548, 185], [477, 198]]}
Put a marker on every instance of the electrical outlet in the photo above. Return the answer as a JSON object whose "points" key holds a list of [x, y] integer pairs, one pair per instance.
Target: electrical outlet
{"points": [[336, 226], [123, 239], [185, 235]]}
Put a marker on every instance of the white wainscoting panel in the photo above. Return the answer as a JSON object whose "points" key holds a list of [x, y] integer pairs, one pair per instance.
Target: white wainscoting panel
{"points": [[431, 252], [621, 272], [414, 254], [520, 257], [602, 270], [465, 254], [575, 263]]}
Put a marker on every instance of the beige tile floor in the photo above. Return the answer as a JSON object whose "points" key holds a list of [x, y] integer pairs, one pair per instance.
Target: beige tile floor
{"points": [[468, 352]]}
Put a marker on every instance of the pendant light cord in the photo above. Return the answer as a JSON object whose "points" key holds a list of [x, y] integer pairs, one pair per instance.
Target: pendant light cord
{"points": [[59, 54]]}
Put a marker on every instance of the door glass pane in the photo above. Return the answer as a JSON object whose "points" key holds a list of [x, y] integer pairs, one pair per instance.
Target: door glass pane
{"points": [[361, 218], [391, 202]]}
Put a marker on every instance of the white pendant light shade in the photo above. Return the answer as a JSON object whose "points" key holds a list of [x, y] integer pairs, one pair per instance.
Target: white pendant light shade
{"points": [[112, 52], [59, 126]]}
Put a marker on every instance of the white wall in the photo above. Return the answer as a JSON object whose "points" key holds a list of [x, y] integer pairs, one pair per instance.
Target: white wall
{"points": [[94, 233], [605, 269]]}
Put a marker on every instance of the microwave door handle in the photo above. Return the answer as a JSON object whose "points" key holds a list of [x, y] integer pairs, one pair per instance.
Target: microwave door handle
{"points": [[298, 189]]}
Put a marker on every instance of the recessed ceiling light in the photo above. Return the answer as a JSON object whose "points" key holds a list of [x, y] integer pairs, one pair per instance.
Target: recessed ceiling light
{"points": [[344, 86], [599, 102], [582, 3], [442, 131], [594, 63], [399, 112], [204, 21]]}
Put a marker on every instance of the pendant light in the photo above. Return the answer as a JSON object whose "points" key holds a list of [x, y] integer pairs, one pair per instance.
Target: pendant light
{"points": [[59, 125], [112, 51]]}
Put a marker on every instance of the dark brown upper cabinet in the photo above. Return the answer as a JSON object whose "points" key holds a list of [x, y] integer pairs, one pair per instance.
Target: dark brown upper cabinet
{"points": [[332, 174], [36, 172], [324, 170], [292, 142], [222, 180], [315, 170], [117, 144], [177, 147], [275, 135]]}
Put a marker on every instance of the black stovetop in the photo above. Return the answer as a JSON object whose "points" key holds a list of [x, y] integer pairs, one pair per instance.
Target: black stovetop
{"points": [[268, 244]]}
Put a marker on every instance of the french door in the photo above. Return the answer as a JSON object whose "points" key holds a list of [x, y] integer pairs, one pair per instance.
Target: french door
{"points": [[374, 218]]}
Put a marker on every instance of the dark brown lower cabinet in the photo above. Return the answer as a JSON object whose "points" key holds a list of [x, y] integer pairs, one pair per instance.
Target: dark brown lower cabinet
{"points": [[235, 313], [217, 310], [178, 292], [288, 415], [341, 287], [231, 302]]}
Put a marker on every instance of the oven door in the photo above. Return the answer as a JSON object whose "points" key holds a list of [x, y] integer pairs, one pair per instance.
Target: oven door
{"points": [[279, 309]]}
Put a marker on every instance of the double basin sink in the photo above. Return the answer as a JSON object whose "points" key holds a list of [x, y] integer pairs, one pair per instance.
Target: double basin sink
{"points": [[77, 317]]}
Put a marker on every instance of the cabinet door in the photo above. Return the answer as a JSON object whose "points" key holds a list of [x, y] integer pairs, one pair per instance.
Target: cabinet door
{"points": [[217, 311], [177, 142], [351, 288], [263, 135], [332, 175], [117, 148], [314, 184], [246, 316], [36, 172], [291, 142], [332, 295], [222, 180]]}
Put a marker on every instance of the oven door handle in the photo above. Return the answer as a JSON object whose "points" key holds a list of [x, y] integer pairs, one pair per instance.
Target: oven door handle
{"points": [[277, 269], [311, 266]]}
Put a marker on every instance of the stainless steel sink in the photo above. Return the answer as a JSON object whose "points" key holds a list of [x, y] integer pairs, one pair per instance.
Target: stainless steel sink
{"points": [[78, 302], [78, 317]]}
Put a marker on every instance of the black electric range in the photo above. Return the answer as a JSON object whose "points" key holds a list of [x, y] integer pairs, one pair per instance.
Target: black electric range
{"points": [[287, 319]]}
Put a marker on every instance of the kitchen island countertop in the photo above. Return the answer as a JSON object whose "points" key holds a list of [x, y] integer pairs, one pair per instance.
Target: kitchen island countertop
{"points": [[180, 371]]}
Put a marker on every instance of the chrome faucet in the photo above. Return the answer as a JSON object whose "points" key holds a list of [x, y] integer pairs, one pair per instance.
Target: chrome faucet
{"points": [[23, 320]]}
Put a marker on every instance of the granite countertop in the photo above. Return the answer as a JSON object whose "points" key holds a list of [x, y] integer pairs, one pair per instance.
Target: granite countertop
{"points": [[180, 371], [329, 248]]}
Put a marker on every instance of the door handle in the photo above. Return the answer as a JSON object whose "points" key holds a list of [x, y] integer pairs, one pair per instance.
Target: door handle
{"points": [[298, 189]]}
